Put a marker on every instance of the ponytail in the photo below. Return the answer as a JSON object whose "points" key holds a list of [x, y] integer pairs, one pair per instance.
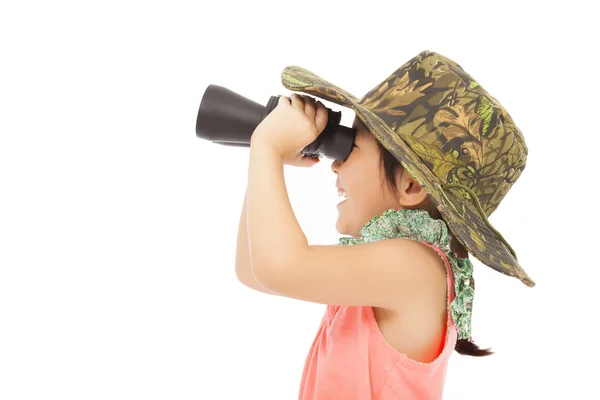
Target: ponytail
{"points": [[466, 348]]}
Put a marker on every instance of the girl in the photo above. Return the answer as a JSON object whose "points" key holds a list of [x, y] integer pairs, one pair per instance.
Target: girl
{"points": [[433, 156]]}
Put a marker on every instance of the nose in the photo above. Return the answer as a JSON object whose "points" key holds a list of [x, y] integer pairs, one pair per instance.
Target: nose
{"points": [[335, 165]]}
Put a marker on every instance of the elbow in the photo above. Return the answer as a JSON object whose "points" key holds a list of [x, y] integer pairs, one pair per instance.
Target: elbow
{"points": [[272, 273], [247, 276], [264, 273], [241, 274], [274, 267]]}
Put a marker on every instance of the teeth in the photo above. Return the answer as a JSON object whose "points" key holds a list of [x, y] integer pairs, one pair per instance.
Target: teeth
{"points": [[342, 193]]}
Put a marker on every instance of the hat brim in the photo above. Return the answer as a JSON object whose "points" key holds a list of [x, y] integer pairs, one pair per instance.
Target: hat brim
{"points": [[462, 218]]}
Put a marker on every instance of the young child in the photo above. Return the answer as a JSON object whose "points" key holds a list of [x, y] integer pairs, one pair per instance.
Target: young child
{"points": [[433, 157]]}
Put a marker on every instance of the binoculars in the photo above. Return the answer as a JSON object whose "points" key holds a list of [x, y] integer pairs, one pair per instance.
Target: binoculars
{"points": [[230, 119]]}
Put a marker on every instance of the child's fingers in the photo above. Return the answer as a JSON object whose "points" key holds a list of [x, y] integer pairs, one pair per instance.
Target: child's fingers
{"points": [[306, 161], [321, 118], [309, 107], [309, 161], [283, 101], [297, 102]]}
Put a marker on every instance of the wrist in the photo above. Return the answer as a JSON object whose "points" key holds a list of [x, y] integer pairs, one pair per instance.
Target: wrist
{"points": [[264, 146], [258, 138]]}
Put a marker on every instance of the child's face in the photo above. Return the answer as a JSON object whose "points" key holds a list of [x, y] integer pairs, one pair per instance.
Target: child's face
{"points": [[362, 178]]}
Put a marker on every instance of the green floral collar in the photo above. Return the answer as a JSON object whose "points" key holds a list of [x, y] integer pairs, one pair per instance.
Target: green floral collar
{"points": [[418, 225]]}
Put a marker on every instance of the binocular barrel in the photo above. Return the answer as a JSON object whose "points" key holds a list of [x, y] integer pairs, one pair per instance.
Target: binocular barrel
{"points": [[229, 119]]}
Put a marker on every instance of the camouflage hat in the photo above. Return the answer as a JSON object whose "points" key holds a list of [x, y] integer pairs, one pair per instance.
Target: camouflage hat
{"points": [[456, 139]]}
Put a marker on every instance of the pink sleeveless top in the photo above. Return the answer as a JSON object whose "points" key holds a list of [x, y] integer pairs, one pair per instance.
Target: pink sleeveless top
{"points": [[350, 358]]}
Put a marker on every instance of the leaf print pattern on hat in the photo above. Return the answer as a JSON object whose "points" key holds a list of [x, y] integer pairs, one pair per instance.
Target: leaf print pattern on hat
{"points": [[456, 139]]}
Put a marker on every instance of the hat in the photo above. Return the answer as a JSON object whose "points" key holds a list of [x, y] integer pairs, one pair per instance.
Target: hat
{"points": [[454, 138]]}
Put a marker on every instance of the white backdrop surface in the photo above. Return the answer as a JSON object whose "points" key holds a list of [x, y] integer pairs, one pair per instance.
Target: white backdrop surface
{"points": [[118, 225]]}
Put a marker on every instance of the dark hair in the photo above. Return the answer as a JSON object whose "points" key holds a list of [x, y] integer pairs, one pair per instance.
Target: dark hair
{"points": [[391, 165]]}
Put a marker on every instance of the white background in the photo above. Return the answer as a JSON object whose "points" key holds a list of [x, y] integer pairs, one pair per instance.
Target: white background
{"points": [[118, 225]]}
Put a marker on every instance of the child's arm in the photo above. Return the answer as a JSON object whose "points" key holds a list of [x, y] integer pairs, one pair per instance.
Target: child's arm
{"points": [[243, 269], [387, 273]]}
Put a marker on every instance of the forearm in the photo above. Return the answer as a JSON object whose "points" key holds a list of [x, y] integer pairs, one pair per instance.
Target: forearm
{"points": [[243, 268], [275, 236]]}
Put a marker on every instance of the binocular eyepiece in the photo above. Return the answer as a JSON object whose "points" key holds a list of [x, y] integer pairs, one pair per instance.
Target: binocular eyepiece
{"points": [[230, 119]]}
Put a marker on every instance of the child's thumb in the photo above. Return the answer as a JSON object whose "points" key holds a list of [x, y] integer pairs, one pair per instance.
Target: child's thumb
{"points": [[309, 161]]}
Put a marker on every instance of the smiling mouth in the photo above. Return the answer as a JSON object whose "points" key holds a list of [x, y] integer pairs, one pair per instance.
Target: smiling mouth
{"points": [[342, 193]]}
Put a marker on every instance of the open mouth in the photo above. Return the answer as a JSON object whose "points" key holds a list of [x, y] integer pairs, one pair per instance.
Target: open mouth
{"points": [[342, 194]]}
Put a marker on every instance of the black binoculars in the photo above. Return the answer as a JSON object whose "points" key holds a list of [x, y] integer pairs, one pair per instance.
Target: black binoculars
{"points": [[230, 119]]}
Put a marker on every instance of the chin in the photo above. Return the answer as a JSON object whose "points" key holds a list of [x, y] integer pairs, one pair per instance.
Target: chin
{"points": [[341, 229], [340, 226], [345, 227]]}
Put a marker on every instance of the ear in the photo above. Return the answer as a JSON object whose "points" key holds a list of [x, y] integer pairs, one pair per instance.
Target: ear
{"points": [[410, 193]]}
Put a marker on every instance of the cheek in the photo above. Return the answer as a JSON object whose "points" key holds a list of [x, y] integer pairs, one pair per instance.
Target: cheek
{"points": [[365, 189], [362, 183]]}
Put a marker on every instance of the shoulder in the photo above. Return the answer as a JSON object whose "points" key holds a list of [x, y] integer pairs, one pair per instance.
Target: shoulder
{"points": [[422, 272]]}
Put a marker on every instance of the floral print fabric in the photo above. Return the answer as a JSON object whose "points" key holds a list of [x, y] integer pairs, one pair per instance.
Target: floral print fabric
{"points": [[419, 226]]}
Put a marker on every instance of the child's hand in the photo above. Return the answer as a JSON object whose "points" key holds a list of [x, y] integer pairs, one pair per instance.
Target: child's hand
{"points": [[295, 123]]}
